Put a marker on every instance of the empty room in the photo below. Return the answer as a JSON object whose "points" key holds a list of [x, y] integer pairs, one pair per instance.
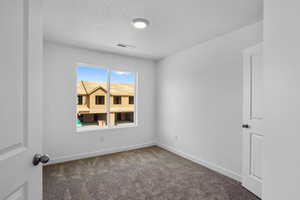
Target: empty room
{"points": [[149, 100]]}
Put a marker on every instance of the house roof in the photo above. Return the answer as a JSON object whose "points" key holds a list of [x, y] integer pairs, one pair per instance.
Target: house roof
{"points": [[88, 87]]}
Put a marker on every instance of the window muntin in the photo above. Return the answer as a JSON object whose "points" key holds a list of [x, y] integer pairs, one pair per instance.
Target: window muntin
{"points": [[113, 90]]}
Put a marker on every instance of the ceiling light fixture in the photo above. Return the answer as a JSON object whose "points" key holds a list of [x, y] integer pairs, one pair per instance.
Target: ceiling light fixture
{"points": [[140, 23]]}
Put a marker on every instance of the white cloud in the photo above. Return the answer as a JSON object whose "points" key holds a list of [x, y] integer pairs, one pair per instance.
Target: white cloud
{"points": [[122, 73]]}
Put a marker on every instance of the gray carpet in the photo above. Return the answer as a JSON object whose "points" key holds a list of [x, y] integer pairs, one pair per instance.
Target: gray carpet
{"points": [[144, 174]]}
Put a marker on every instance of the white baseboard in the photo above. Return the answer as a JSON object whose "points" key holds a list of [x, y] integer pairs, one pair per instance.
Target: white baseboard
{"points": [[98, 153], [209, 165]]}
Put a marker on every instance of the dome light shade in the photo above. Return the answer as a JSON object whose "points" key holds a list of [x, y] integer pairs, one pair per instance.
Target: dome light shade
{"points": [[140, 23]]}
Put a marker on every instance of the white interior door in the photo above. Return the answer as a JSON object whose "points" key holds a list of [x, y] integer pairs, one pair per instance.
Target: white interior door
{"points": [[252, 119], [20, 99]]}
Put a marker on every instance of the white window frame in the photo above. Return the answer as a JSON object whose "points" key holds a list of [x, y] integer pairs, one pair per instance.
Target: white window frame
{"points": [[109, 127]]}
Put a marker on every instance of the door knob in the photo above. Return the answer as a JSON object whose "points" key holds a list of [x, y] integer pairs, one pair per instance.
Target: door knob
{"points": [[245, 126], [43, 158]]}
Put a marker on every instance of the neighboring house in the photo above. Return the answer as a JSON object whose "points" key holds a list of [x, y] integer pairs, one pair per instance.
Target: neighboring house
{"points": [[92, 99]]}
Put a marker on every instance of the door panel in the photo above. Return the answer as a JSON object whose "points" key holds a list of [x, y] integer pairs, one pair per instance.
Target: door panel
{"points": [[256, 87], [12, 78], [256, 155], [253, 116], [20, 98]]}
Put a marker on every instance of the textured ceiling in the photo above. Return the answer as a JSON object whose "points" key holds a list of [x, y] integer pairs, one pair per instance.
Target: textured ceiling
{"points": [[175, 24]]}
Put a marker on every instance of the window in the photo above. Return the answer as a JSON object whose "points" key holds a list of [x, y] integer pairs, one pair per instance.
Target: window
{"points": [[79, 100], [117, 100], [131, 100], [97, 86], [99, 100]]}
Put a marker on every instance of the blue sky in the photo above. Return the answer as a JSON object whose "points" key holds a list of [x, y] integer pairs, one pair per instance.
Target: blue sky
{"points": [[85, 73]]}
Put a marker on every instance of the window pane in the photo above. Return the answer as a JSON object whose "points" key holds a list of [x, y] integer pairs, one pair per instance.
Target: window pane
{"points": [[100, 100], [117, 99], [92, 95], [79, 99], [122, 91], [131, 100]]}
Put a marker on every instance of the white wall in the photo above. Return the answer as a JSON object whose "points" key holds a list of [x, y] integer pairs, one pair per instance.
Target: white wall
{"points": [[282, 100], [200, 100], [60, 139]]}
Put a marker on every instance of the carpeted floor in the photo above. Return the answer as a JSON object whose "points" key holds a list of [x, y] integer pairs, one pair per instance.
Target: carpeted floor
{"points": [[144, 174]]}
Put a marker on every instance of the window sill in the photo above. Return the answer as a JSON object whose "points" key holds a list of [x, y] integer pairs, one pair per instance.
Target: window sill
{"points": [[89, 129]]}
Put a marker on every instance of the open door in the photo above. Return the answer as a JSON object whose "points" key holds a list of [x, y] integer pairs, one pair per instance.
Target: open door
{"points": [[253, 118], [20, 99]]}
